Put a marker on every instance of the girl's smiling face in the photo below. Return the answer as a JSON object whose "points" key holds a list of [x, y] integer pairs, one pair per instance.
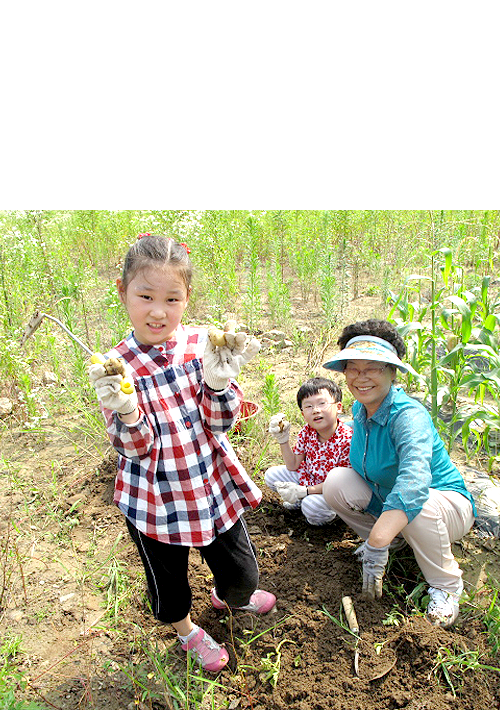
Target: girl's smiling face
{"points": [[155, 299]]}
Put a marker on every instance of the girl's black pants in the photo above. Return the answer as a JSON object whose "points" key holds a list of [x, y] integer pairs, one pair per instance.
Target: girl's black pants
{"points": [[230, 557]]}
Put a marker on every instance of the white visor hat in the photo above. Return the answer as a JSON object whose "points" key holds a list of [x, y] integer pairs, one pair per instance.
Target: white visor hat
{"points": [[368, 347]]}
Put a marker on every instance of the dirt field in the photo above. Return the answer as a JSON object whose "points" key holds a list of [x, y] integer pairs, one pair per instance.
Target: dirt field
{"points": [[66, 552]]}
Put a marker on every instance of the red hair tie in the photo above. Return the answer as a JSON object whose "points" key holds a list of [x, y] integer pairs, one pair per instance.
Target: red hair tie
{"points": [[143, 234], [185, 247]]}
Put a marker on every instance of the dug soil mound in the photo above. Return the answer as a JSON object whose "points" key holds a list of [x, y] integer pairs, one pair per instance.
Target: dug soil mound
{"points": [[80, 654]]}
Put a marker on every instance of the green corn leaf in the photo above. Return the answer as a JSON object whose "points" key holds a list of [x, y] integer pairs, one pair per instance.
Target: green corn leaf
{"points": [[447, 264], [461, 305], [490, 322]]}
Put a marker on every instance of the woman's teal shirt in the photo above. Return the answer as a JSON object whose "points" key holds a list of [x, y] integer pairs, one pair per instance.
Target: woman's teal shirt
{"points": [[400, 455]]}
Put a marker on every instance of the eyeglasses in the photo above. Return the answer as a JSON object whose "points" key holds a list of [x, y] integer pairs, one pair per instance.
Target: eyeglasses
{"points": [[319, 405], [352, 372]]}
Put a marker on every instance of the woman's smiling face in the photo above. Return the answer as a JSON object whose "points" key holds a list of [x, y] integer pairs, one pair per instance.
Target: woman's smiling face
{"points": [[369, 381]]}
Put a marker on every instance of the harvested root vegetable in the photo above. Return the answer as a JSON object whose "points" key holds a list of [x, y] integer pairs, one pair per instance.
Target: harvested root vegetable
{"points": [[217, 337], [113, 366], [230, 326]]}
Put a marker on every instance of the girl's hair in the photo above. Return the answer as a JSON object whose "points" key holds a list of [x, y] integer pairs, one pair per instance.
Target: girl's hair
{"points": [[380, 328], [155, 250], [312, 387]]}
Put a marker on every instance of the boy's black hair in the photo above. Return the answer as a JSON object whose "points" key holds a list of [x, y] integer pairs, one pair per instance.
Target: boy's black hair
{"points": [[313, 386]]}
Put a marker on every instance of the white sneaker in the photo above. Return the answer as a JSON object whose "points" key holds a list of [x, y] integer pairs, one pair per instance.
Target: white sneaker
{"points": [[442, 609]]}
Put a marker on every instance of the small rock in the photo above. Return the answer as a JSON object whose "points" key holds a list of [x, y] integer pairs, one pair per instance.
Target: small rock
{"points": [[15, 615], [5, 407], [275, 335], [66, 598], [254, 530], [49, 378], [279, 547]]}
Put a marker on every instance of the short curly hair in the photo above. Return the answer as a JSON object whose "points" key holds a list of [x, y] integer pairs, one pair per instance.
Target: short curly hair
{"points": [[380, 328]]}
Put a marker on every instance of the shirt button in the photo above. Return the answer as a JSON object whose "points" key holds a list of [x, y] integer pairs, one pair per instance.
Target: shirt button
{"points": [[177, 394]]}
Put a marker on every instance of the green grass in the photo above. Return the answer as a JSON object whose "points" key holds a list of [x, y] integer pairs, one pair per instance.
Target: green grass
{"points": [[13, 680]]}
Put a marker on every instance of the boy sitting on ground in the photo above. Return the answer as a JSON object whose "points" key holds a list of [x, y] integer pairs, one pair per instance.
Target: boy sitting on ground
{"points": [[322, 444]]}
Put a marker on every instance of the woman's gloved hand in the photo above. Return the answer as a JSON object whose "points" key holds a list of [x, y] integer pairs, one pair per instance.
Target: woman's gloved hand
{"points": [[224, 362], [290, 493], [279, 427], [109, 392], [374, 561]]}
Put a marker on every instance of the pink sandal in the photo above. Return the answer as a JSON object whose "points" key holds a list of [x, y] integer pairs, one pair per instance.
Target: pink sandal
{"points": [[208, 652], [261, 602]]}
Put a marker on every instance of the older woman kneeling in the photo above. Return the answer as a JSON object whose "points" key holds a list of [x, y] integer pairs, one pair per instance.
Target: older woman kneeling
{"points": [[402, 484]]}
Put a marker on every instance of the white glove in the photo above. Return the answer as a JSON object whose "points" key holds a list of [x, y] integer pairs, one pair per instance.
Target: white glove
{"points": [[279, 427], [374, 562], [220, 363], [109, 393], [290, 492]]}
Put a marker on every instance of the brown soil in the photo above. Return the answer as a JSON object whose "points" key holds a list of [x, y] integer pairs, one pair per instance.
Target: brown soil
{"points": [[61, 533], [76, 655]]}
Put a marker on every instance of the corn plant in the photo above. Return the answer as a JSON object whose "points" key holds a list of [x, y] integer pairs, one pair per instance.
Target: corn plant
{"points": [[444, 336], [484, 423]]}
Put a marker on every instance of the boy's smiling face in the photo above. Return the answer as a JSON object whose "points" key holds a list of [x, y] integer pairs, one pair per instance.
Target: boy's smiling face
{"points": [[320, 412]]}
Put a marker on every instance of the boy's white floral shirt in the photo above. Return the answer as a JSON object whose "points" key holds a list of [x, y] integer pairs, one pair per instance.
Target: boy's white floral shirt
{"points": [[179, 479], [322, 456]]}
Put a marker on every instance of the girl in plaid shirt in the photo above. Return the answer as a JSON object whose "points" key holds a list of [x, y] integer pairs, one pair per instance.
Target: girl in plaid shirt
{"points": [[179, 482]]}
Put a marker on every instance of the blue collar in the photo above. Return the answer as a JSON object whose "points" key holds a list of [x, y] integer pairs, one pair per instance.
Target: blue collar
{"points": [[381, 416]]}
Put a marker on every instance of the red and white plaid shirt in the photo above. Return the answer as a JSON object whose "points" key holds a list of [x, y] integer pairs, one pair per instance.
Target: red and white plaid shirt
{"points": [[179, 478], [322, 456]]}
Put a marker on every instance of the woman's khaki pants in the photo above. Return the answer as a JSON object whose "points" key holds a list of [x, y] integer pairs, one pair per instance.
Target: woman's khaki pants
{"points": [[444, 518]]}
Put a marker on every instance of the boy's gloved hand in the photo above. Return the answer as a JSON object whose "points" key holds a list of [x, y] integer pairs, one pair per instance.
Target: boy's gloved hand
{"points": [[109, 392], [220, 363], [374, 560], [279, 427], [290, 492]]}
